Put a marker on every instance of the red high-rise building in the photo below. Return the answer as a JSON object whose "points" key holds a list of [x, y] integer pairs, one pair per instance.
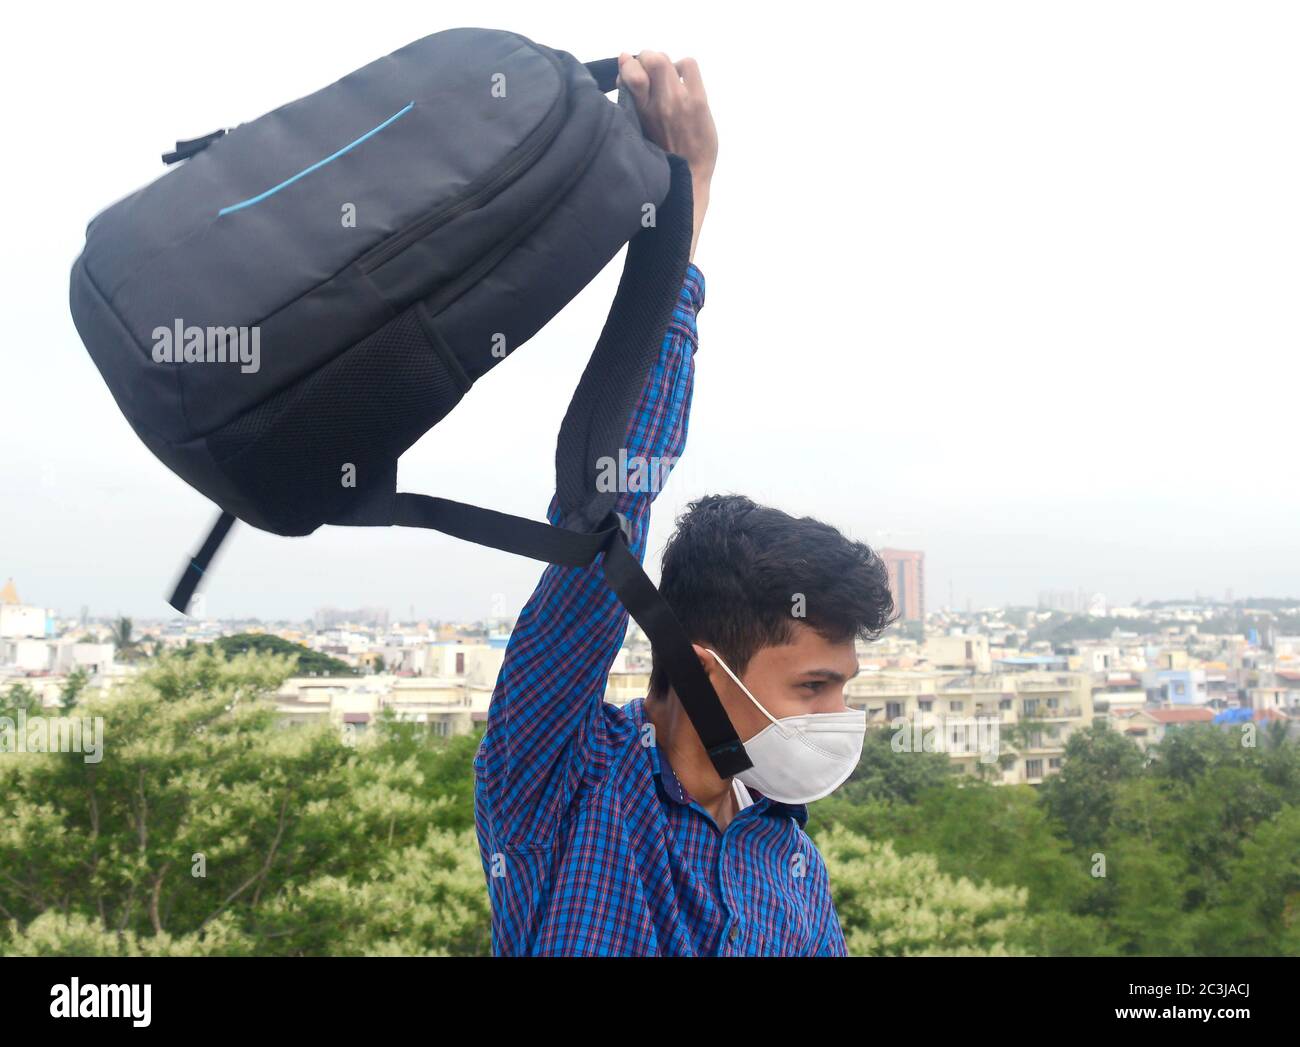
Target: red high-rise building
{"points": [[906, 582]]}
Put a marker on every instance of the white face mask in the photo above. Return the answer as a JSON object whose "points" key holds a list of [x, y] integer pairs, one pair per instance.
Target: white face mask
{"points": [[799, 759]]}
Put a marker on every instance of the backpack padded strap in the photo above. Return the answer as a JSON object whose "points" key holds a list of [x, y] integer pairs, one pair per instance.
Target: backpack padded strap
{"points": [[595, 425]]}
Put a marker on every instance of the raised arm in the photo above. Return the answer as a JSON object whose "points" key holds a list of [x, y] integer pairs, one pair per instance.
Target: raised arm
{"points": [[544, 722], [544, 719]]}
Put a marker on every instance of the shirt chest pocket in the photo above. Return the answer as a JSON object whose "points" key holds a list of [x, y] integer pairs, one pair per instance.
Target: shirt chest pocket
{"points": [[781, 913]]}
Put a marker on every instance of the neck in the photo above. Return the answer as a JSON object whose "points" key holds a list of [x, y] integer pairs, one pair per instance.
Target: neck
{"points": [[679, 744]]}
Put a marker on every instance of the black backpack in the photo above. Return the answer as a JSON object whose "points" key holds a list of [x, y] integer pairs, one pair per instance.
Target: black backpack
{"points": [[310, 292]]}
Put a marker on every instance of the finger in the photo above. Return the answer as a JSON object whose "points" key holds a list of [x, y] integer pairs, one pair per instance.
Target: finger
{"points": [[633, 76], [666, 87], [689, 70]]}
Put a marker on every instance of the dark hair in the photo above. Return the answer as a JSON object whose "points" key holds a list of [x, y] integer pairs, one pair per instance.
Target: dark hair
{"points": [[732, 570]]}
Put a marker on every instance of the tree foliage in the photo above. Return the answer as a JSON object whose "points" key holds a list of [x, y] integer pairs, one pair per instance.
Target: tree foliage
{"points": [[206, 828], [903, 905], [308, 661], [1194, 851]]}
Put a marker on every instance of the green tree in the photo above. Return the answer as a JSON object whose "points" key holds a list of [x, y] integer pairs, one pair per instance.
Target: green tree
{"points": [[1002, 834], [123, 637], [205, 828], [446, 764], [1148, 885], [19, 697], [1255, 910], [1081, 795], [903, 905], [310, 663], [1186, 752], [73, 687], [887, 772], [1065, 628]]}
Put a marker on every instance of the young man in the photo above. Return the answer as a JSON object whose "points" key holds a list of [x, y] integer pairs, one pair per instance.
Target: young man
{"points": [[607, 831]]}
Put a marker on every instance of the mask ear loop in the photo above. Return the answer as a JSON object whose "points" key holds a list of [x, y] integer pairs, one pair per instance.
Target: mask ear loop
{"points": [[785, 732]]}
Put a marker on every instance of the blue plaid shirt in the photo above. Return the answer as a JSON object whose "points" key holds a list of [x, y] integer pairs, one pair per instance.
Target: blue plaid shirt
{"points": [[590, 844]]}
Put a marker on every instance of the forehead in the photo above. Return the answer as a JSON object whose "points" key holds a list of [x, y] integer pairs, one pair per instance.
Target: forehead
{"points": [[809, 650]]}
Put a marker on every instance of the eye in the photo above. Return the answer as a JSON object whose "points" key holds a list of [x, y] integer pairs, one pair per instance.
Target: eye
{"points": [[814, 685]]}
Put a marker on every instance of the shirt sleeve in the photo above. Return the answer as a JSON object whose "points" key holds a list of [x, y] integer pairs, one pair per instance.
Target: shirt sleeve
{"points": [[545, 725]]}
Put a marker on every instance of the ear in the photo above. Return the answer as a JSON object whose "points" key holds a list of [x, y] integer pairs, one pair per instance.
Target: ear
{"points": [[707, 662], [718, 676]]}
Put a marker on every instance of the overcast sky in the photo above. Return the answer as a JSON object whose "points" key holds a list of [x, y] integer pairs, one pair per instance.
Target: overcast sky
{"points": [[1012, 283]]}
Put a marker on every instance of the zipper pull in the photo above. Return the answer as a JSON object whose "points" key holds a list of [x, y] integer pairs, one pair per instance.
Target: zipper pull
{"points": [[184, 150]]}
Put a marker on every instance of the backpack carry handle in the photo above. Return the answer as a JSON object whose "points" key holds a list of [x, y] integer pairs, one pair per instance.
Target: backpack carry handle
{"points": [[605, 72]]}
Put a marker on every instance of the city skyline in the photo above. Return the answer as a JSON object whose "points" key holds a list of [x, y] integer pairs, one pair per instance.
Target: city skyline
{"points": [[1081, 602]]}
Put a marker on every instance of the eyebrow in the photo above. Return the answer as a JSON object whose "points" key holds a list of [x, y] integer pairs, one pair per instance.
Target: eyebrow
{"points": [[831, 674]]}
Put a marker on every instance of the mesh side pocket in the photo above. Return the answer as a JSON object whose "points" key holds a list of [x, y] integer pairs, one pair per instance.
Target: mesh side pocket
{"points": [[363, 409]]}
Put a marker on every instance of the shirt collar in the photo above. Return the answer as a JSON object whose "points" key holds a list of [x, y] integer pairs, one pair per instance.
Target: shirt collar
{"points": [[672, 789], [668, 782]]}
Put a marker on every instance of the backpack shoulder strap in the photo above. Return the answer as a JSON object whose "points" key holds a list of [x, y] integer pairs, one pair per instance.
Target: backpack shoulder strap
{"points": [[595, 425]]}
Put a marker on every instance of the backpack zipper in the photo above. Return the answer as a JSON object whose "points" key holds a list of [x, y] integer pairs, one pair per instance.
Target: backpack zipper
{"points": [[524, 156]]}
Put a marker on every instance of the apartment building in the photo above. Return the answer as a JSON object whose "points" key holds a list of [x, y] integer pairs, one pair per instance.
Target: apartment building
{"points": [[446, 705], [1005, 727], [1148, 727], [1175, 686], [1278, 691], [958, 651], [906, 569], [625, 685], [22, 621]]}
